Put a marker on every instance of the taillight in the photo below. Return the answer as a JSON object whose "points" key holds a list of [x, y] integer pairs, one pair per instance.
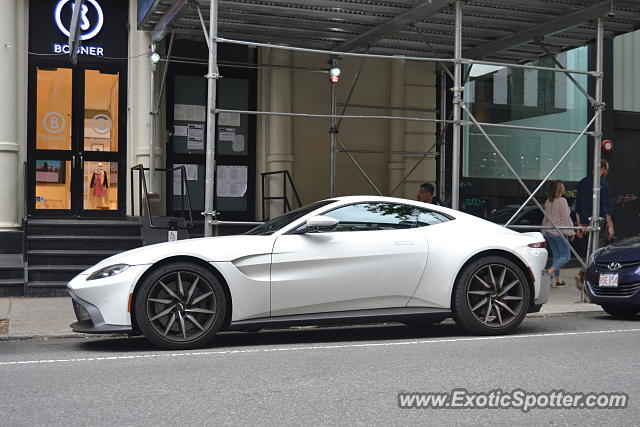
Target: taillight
{"points": [[538, 245]]}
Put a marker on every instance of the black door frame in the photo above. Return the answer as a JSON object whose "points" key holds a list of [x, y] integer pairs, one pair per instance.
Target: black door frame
{"points": [[77, 155], [191, 69]]}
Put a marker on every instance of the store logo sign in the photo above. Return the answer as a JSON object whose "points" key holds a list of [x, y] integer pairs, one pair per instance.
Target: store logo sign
{"points": [[91, 19], [91, 22], [54, 122]]}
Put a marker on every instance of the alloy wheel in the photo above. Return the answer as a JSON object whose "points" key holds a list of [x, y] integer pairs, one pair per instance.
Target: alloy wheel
{"points": [[495, 295], [181, 306]]}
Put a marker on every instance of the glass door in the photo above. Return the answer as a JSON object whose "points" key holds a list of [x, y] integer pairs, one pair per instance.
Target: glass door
{"points": [[53, 162], [99, 149], [76, 157]]}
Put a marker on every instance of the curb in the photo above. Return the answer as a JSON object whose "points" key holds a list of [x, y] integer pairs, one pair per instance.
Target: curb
{"points": [[564, 313], [59, 335], [63, 335]]}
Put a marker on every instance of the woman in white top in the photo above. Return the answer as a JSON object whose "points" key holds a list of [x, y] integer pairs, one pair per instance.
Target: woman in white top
{"points": [[558, 210]]}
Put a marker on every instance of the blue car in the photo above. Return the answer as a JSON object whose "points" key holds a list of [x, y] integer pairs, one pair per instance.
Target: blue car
{"points": [[613, 278]]}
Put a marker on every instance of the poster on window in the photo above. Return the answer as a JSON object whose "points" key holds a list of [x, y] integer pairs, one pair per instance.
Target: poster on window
{"points": [[231, 181]]}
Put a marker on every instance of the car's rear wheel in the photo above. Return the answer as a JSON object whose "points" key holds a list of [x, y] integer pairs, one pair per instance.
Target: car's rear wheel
{"points": [[620, 310], [491, 296], [180, 306]]}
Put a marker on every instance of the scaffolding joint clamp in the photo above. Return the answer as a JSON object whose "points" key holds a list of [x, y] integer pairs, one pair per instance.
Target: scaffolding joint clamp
{"points": [[213, 76], [333, 130], [598, 105]]}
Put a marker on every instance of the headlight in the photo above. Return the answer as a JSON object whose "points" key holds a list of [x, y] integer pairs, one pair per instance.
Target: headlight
{"points": [[112, 270]]}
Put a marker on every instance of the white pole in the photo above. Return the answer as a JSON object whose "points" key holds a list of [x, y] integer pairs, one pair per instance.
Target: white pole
{"points": [[210, 160], [457, 98], [154, 126], [597, 138]]}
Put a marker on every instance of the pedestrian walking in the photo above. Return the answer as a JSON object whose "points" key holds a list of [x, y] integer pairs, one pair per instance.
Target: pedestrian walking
{"points": [[584, 206], [558, 211]]}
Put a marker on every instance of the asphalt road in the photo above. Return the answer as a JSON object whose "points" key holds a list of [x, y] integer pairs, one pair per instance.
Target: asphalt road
{"points": [[342, 376]]}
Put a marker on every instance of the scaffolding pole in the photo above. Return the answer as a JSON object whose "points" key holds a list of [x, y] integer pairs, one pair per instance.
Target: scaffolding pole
{"points": [[457, 110], [154, 126], [333, 131], [594, 232], [210, 160]]}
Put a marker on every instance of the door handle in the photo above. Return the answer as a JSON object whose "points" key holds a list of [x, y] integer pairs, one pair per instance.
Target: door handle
{"points": [[404, 242], [81, 162], [73, 161]]}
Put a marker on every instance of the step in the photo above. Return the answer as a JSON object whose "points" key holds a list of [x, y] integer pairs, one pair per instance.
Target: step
{"points": [[83, 227], [55, 242], [11, 261], [47, 289], [11, 287], [11, 272], [48, 273], [68, 257]]}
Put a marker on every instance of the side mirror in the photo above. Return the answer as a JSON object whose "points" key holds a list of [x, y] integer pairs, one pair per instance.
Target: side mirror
{"points": [[320, 223]]}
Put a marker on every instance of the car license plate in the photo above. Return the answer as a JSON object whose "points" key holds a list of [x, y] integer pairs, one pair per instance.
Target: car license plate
{"points": [[608, 280]]}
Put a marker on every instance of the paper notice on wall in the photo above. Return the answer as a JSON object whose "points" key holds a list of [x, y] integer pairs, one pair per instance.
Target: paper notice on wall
{"points": [[179, 112], [195, 136], [196, 113], [238, 143], [231, 181], [192, 175], [179, 131], [227, 134], [229, 119]]}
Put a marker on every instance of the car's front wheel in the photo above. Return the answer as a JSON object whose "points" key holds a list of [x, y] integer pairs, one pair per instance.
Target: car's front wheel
{"points": [[180, 306], [621, 310], [491, 296]]}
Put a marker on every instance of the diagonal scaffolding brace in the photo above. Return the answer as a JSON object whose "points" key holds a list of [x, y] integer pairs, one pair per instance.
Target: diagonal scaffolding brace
{"points": [[512, 170]]}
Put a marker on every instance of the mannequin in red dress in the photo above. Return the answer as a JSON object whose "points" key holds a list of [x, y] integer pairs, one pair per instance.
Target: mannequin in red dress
{"points": [[99, 185]]}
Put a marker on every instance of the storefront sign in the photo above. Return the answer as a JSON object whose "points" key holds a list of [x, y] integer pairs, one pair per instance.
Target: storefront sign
{"points": [[103, 27]]}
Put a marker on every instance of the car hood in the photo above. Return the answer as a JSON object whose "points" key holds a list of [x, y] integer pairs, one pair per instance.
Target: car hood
{"points": [[210, 249], [627, 250]]}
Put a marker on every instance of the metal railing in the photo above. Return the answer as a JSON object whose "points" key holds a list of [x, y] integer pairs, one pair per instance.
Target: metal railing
{"points": [[286, 177], [142, 186]]}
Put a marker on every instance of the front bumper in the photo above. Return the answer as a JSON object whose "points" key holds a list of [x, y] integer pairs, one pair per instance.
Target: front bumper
{"points": [[90, 320], [597, 297]]}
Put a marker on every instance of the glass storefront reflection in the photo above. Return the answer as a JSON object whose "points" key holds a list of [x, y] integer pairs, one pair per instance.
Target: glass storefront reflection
{"points": [[100, 186], [53, 110], [53, 184], [101, 111]]}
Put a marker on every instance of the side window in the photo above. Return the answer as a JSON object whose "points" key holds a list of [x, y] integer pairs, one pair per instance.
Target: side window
{"points": [[427, 217], [375, 216]]}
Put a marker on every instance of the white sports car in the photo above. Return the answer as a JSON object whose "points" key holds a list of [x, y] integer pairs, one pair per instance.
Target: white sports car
{"points": [[353, 259]]}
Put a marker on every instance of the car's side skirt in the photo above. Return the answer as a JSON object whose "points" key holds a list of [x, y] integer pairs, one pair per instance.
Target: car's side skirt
{"points": [[400, 314]]}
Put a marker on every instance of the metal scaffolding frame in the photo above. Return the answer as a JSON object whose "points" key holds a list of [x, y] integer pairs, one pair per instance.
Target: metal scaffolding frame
{"points": [[596, 11]]}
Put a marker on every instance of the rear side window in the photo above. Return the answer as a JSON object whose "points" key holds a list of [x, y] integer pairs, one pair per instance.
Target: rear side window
{"points": [[383, 216]]}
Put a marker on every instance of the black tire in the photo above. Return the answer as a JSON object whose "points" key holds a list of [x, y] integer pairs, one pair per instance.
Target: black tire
{"points": [[180, 306], [491, 296], [621, 310]]}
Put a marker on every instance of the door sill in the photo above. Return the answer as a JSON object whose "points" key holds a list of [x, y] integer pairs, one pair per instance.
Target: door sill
{"points": [[351, 317]]}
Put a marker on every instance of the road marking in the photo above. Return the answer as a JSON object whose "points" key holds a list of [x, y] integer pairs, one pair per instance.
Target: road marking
{"points": [[316, 347]]}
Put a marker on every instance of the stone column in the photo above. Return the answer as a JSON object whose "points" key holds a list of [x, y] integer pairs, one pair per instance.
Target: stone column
{"points": [[9, 147], [280, 137], [139, 102], [396, 127]]}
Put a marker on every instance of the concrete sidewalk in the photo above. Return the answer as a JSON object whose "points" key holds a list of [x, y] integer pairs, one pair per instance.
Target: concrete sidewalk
{"points": [[22, 318]]}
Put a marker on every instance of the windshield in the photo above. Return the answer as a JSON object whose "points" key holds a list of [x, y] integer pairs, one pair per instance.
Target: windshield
{"points": [[276, 224]]}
